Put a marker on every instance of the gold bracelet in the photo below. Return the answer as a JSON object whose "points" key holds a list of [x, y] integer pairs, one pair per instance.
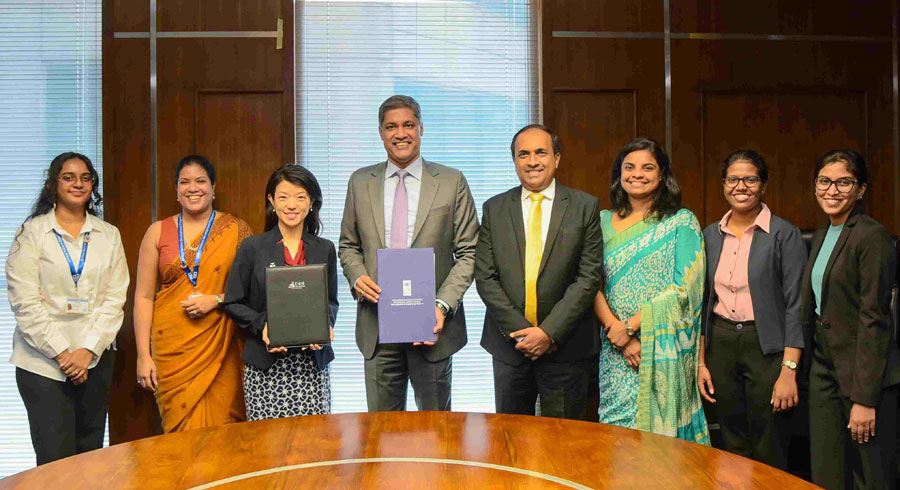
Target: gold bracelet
{"points": [[702, 365]]}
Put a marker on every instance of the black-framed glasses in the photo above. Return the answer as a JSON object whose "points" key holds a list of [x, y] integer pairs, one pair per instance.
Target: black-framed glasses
{"points": [[70, 179], [843, 185], [750, 181]]}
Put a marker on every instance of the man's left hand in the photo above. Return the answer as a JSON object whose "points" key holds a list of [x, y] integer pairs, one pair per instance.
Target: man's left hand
{"points": [[532, 341], [438, 327]]}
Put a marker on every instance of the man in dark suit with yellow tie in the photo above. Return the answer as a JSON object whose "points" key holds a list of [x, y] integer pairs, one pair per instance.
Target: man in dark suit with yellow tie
{"points": [[538, 265]]}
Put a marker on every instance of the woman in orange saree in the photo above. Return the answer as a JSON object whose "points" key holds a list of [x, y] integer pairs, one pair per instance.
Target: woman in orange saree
{"points": [[189, 351]]}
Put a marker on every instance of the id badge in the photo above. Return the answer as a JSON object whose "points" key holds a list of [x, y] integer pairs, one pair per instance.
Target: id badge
{"points": [[77, 306]]}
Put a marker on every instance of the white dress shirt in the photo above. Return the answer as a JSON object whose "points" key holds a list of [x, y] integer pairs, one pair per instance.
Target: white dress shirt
{"points": [[546, 207], [40, 285], [413, 183]]}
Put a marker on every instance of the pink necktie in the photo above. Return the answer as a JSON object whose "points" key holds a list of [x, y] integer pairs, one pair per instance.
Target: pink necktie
{"points": [[400, 214]]}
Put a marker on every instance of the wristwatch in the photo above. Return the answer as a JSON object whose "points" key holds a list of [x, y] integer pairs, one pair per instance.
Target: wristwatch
{"points": [[443, 309], [790, 365], [628, 330], [220, 298]]}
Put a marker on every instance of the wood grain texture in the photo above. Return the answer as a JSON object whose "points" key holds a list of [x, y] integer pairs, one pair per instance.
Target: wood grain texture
{"points": [[593, 455], [219, 15]]}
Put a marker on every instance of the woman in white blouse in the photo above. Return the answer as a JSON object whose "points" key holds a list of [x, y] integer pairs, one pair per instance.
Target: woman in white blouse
{"points": [[67, 279]]}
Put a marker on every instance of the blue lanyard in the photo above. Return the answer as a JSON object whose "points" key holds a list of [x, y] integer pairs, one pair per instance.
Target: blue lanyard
{"points": [[193, 273], [76, 274]]}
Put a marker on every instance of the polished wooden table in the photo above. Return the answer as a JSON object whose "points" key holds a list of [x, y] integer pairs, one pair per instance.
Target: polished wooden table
{"points": [[407, 450]]}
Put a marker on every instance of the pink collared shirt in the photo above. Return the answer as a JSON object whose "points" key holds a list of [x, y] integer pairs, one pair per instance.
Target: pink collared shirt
{"points": [[732, 274]]}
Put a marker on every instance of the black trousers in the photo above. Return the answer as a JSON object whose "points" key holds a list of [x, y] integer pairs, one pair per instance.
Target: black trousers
{"points": [[65, 419], [743, 378], [837, 461], [568, 390], [394, 367]]}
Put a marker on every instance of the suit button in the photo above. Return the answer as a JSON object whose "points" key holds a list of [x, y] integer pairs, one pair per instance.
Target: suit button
{"points": [[739, 326], [827, 326]]}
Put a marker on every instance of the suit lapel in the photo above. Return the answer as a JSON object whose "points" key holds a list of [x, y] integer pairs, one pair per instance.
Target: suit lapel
{"points": [[841, 241], [516, 217], [427, 192], [557, 211], [715, 251], [376, 199], [274, 249]]}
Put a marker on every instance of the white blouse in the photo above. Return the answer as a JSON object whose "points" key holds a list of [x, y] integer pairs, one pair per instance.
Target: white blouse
{"points": [[40, 286]]}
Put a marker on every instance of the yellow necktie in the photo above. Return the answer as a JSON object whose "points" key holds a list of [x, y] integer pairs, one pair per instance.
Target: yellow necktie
{"points": [[533, 249]]}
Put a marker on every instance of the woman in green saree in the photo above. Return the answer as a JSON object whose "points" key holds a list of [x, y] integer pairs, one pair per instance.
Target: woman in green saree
{"points": [[654, 265]]}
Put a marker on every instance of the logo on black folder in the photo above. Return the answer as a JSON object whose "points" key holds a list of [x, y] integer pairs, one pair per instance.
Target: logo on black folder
{"points": [[297, 285]]}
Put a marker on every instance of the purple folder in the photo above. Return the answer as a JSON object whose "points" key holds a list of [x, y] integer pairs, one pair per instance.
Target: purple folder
{"points": [[406, 303]]}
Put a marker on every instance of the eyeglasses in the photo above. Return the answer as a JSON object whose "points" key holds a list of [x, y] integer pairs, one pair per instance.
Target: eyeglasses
{"points": [[732, 181], [843, 185], [70, 179]]}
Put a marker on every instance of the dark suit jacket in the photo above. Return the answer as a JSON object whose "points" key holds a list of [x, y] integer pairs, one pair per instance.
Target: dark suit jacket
{"points": [[571, 273], [855, 308], [445, 221], [245, 292], [775, 270]]}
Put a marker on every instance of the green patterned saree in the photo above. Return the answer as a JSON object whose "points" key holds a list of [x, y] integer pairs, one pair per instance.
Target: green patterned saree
{"points": [[657, 269]]}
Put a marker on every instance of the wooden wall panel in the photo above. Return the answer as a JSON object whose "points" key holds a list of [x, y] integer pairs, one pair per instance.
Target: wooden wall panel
{"points": [[127, 15], [591, 15], [241, 132], [219, 15], [818, 17], [818, 74], [592, 127], [790, 131]]}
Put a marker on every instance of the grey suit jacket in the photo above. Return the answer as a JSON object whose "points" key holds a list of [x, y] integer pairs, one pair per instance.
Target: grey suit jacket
{"points": [[571, 272], [777, 259], [445, 221]]}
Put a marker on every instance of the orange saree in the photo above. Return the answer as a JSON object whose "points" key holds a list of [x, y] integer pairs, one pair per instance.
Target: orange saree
{"points": [[198, 361]]}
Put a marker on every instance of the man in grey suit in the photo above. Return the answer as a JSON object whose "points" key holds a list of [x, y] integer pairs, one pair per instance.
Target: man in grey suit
{"points": [[537, 268], [407, 202]]}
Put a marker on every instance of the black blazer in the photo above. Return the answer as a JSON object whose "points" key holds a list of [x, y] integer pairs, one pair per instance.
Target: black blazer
{"points": [[571, 273], [245, 292], [856, 308], [775, 272]]}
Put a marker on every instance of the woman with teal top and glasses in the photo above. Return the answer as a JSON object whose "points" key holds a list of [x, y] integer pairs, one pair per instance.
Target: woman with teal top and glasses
{"points": [[854, 366], [655, 268]]}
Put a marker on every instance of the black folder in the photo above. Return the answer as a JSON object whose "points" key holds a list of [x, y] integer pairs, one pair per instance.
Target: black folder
{"points": [[297, 305]]}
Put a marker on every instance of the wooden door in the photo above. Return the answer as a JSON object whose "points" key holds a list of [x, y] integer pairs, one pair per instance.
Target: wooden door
{"points": [[224, 89]]}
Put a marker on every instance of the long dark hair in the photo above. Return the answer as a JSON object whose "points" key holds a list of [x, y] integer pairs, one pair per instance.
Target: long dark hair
{"points": [[297, 175], [46, 200], [667, 200]]}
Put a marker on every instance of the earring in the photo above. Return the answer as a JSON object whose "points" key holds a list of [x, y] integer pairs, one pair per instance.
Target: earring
{"points": [[54, 205], [90, 204]]}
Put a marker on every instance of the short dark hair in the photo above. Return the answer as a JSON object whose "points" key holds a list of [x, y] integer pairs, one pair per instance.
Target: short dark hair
{"points": [[399, 102], [554, 139], [667, 200], [746, 155], [196, 160], [301, 176], [856, 164]]}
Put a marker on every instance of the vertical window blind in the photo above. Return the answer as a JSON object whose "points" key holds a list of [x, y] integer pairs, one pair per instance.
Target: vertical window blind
{"points": [[50, 95], [472, 66]]}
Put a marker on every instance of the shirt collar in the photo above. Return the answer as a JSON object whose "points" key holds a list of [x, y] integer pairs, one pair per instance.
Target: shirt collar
{"points": [[414, 169], [49, 223], [762, 221], [549, 193]]}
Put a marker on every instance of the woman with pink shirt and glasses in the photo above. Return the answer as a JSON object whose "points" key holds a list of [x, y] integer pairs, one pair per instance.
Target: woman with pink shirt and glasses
{"points": [[752, 336]]}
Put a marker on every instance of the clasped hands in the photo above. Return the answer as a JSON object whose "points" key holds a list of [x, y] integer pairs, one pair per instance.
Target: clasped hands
{"points": [[199, 306], [629, 346], [75, 364], [533, 342], [281, 350], [367, 289]]}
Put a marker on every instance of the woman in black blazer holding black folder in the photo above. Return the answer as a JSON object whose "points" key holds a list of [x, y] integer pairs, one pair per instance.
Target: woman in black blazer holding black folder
{"points": [[283, 382]]}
